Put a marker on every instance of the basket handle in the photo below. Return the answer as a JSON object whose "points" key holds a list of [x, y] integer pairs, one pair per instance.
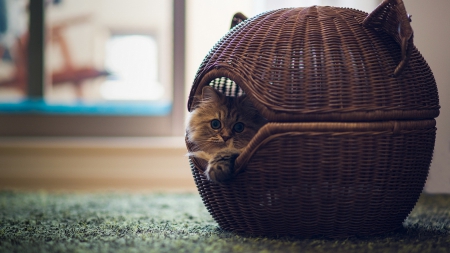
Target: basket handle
{"points": [[237, 18], [391, 17]]}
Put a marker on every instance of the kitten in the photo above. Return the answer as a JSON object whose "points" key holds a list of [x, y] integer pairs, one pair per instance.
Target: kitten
{"points": [[221, 127]]}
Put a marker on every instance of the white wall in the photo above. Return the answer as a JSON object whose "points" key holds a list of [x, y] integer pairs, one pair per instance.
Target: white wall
{"points": [[366, 5], [136, 164], [430, 21]]}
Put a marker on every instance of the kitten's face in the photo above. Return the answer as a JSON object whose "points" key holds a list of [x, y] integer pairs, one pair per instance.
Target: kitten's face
{"points": [[219, 121]]}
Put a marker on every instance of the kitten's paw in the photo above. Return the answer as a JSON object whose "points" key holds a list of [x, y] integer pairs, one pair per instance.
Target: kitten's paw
{"points": [[221, 166]]}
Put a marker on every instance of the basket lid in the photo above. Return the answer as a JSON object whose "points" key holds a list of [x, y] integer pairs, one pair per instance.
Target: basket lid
{"points": [[326, 64]]}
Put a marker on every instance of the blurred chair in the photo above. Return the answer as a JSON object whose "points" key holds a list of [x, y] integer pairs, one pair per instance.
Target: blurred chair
{"points": [[70, 73]]}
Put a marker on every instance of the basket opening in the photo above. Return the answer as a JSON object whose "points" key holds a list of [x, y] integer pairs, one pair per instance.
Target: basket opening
{"points": [[230, 88], [226, 86]]}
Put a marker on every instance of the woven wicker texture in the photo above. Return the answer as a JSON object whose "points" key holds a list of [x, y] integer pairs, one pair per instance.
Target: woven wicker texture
{"points": [[351, 106]]}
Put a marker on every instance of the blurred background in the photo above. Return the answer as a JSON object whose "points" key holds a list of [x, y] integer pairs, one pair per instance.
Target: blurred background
{"points": [[93, 92]]}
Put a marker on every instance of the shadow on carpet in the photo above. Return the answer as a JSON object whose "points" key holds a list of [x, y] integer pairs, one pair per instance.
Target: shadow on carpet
{"points": [[117, 222]]}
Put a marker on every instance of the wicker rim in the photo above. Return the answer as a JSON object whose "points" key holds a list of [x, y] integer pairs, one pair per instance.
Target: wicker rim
{"points": [[271, 131]]}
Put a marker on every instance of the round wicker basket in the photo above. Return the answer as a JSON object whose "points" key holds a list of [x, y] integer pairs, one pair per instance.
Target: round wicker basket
{"points": [[351, 105]]}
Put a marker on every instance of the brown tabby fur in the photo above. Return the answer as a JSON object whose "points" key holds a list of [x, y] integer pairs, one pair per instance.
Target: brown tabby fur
{"points": [[220, 147]]}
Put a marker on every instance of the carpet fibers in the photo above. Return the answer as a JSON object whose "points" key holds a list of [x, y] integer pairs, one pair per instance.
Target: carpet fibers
{"points": [[119, 222]]}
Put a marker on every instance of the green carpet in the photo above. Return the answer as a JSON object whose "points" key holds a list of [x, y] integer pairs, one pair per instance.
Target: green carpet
{"points": [[118, 222]]}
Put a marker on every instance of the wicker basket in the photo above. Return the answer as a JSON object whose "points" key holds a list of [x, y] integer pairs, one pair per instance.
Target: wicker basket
{"points": [[351, 106]]}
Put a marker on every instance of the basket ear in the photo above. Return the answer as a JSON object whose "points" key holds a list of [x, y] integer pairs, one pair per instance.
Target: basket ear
{"points": [[391, 17], [237, 18]]}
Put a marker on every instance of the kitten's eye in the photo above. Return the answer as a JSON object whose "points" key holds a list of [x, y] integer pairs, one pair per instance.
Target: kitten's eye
{"points": [[215, 124], [238, 127]]}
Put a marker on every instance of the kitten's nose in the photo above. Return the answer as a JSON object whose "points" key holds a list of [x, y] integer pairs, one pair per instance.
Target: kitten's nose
{"points": [[225, 138]]}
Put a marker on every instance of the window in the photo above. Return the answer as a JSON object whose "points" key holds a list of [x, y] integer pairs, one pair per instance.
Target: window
{"points": [[108, 70], [133, 62]]}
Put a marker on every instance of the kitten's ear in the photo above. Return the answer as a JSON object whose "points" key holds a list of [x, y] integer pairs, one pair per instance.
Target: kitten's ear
{"points": [[210, 94]]}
